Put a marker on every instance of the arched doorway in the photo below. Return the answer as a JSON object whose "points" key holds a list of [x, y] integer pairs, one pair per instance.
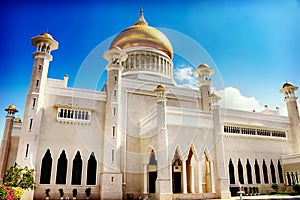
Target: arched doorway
{"points": [[152, 172], [176, 173], [191, 172]]}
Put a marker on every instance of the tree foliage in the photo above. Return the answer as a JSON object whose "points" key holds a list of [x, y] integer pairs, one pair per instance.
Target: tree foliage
{"points": [[17, 176]]}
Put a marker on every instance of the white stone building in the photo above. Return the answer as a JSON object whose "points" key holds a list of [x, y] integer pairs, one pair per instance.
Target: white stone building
{"points": [[143, 135]]}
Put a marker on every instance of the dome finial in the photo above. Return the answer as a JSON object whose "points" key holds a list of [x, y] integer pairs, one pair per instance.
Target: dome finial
{"points": [[141, 20]]}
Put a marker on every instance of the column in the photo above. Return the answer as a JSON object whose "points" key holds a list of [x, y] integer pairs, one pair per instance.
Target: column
{"points": [[212, 175], [134, 61], [192, 179], [199, 177], [145, 179], [171, 177], [184, 177]]}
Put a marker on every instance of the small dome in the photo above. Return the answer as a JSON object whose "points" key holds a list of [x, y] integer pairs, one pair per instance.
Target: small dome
{"points": [[46, 35], [141, 34], [203, 65], [160, 86], [287, 84], [12, 107], [18, 119], [213, 95]]}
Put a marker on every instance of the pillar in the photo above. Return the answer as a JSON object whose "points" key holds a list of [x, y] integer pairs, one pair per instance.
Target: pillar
{"points": [[145, 179], [184, 183], [192, 179], [212, 176], [199, 176]]}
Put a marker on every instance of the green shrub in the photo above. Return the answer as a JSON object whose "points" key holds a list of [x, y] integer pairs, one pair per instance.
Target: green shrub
{"points": [[275, 186], [17, 176], [296, 187]]}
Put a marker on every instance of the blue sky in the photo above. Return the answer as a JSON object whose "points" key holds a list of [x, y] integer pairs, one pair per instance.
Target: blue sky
{"points": [[254, 44]]}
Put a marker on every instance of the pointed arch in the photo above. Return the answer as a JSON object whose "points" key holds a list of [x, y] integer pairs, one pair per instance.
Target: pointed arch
{"points": [[46, 168], [77, 169], [177, 150], [147, 153], [265, 172], [249, 172], [177, 171], [241, 172], [152, 158], [257, 172], [231, 172], [273, 175], [152, 170], [61, 170], [280, 172], [194, 151], [91, 170]]}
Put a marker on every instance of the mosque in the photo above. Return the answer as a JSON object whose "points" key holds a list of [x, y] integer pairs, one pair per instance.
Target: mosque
{"points": [[142, 135]]}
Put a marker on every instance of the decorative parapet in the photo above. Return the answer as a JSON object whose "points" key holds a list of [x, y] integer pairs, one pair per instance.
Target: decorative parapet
{"points": [[73, 114]]}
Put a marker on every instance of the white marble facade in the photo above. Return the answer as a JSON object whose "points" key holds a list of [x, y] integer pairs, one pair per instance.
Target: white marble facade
{"points": [[145, 135]]}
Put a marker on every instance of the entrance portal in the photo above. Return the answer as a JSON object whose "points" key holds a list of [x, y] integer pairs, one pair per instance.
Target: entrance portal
{"points": [[176, 174], [152, 180], [152, 172], [177, 182]]}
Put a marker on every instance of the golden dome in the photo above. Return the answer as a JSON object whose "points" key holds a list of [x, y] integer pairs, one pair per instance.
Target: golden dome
{"points": [[287, 84], [18, 119], [160, 86], [141, 34], [12, 107], [46, 35]]}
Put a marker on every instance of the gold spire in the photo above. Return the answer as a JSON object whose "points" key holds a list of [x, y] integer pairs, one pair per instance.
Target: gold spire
{"points": [[141, 20]]}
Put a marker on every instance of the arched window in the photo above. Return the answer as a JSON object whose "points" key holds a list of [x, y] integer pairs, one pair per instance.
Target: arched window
{"points": [[249, 172], [280, 173], [231, 172], [257, 172], [77, 169], [61, 171], [241, 173], [91, 170], [273, 172], [46, 168], [265, 171]]}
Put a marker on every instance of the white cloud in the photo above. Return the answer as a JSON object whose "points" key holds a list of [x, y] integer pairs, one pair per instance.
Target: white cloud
{"points": [[184, 77], [233, 98]]}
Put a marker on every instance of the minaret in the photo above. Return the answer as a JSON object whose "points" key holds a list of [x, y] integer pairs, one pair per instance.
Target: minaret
{"points": [[288, 89], [111, 177], [29, 137], [163, 181], [203, 73], [5, 144]]}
